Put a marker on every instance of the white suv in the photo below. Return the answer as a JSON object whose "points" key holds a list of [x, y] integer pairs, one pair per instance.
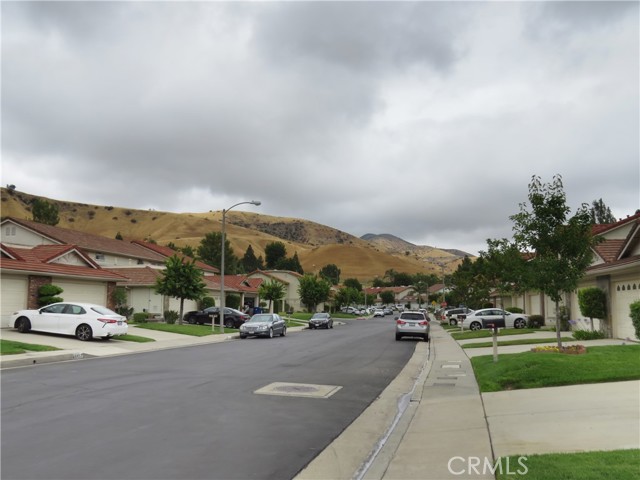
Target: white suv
{"points": [[412, 324]]}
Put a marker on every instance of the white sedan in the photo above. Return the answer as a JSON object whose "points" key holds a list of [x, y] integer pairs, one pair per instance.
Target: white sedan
{"points": [[84, 320], [488, 317]]}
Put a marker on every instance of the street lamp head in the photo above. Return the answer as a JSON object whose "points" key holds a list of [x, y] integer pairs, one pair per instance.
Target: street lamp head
{"points": [[255, 202]]}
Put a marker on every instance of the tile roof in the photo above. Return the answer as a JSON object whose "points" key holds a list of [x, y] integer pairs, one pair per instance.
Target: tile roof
{"points": [[27, 260], [609, 250], [138, 276], [88, 241]]}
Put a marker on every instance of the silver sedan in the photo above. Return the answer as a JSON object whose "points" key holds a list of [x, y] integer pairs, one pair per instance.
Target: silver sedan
{"points": [[264, 325]]}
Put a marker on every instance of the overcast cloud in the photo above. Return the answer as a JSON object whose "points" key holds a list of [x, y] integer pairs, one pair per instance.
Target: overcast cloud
{"points": [[425, 120]]}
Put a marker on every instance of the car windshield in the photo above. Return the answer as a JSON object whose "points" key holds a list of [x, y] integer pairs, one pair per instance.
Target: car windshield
{"points": [[260, 318], [320, 315]]}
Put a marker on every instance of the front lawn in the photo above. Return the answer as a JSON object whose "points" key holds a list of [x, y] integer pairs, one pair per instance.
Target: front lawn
{"points": [[469, 334], [9, 347], [184, 329], [516, 371], [524, 341], [614, 465], [134, 338]]}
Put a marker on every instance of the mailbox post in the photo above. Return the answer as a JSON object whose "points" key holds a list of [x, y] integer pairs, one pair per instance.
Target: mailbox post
{"points": [[494, 329]]}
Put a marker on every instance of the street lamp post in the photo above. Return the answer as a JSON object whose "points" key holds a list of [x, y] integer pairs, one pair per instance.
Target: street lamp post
{"points": [[222, 305]]}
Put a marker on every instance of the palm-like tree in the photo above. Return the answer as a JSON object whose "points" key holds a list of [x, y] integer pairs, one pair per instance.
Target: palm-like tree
{"points": [[272, 291]]}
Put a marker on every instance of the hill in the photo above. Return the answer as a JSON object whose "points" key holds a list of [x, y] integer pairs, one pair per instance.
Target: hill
{"points": [[316, 245]]}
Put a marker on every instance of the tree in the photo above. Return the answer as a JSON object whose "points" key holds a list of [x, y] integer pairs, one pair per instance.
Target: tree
{"points": [[353, 283], [331, 273], [313, 290], [48, 294], [181, 279], [387, 297], [45, 212], [346, 296], [402, 279], [209, 252], [561, 245], [188, 251], [593, 303], [292, 264], [274, 253], [600, 213], [249, 261], [505, 267], [272, 291]]}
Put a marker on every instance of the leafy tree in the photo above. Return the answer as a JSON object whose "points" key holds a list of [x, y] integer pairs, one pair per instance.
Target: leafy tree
{"points": [[181, 279], [346, 296], [209, 252], [561, 245], [469, 285], [634, 313], [45, 212], [387, 297], [188, 251], [274, 253], [353, 283], [249, 262], [292, 264], [120, 300], [402, 279], [48, 294], [600, 213], [272, 291], [313, 290], [593, 303], [331, 273], [506, 270], [378, 282]]}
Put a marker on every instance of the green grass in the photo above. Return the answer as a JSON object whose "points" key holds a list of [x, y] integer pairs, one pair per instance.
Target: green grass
{"points": [[185, 329], [134, 338], [516, 371], [469, 334], [610, 465], [9, 347], [523, 341]]}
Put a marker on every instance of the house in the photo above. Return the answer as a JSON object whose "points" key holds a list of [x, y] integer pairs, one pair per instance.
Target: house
{"points": [[291, 282], [615, 269], [401, 294], [89, 267]]}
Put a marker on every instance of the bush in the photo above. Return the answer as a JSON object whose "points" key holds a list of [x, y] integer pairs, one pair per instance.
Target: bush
{"points": [[140, 317], [515, 310], [232, 301], [48, 294], [206, 302], [634, 313], [170, 316], [535, 321], [587, 335]]}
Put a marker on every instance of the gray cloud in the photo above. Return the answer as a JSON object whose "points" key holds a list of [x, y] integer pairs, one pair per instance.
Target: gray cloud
{"points": [[425, 120]]}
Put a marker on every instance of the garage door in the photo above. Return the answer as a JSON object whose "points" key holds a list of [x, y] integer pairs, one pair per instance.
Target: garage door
{"points": [[12, 297], [89, 292], [623, 294]]}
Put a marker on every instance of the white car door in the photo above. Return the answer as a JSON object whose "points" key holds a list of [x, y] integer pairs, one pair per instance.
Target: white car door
{"points": [[48, 318], [70, 318]]}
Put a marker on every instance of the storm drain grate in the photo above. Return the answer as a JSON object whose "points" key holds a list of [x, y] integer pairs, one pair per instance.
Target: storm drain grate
{"points": [[298, 390]]}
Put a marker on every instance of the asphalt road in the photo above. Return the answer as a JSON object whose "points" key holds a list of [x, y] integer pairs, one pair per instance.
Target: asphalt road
{"points": [[191, 413]]}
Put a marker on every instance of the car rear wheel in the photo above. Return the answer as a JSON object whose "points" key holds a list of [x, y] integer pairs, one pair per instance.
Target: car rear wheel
{"points": [[453, 321], [84, 332], [284, 332], [398, 337], [475, 326], [23, 325], [229, 323], [519, 323], [271, 333]]}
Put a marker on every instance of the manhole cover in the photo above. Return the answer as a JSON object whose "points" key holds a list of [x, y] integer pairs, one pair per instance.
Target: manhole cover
{"points": [[298, 390]]}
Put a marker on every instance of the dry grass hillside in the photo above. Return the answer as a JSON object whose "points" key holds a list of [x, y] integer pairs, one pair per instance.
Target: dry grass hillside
{"points": [[316, 245]]}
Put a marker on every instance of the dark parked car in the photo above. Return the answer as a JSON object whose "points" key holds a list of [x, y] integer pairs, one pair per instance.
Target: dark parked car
{"points": [[321, 320], [232, 318], [264, 325]]}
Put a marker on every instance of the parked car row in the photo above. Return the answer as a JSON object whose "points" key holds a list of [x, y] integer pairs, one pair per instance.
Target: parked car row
{"points": [[232, 318]]}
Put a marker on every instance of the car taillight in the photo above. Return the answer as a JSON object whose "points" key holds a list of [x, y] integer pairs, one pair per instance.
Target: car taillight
{"points": [[107, 320], [401, 322], [424, 323]]}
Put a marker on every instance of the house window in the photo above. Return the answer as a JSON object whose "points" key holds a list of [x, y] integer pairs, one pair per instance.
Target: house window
{"points": [[10, 231], [100, 256]]}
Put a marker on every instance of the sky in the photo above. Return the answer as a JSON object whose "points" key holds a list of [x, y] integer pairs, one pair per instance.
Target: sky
{"points": [[424, 120]]}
